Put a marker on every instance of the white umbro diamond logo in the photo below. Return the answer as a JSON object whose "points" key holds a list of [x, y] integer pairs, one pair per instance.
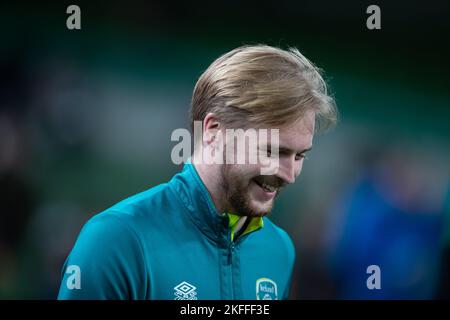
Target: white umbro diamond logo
{"points": [[185, 291]]}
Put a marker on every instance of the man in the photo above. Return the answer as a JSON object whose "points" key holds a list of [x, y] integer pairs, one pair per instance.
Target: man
{"points": [[204, 234]]}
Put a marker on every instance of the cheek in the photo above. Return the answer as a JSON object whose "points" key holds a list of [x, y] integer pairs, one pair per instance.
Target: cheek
{"points": [[247, 171]]}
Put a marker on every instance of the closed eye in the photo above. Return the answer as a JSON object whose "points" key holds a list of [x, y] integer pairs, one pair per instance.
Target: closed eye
{"points": [[286, 152], [300, 156]]}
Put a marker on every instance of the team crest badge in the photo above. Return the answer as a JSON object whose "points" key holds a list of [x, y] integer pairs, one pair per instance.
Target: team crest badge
{"points": [[266, 289]]}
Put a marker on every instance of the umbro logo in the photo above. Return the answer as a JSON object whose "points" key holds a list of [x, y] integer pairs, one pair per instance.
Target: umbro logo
{"points": [[185, 291]]}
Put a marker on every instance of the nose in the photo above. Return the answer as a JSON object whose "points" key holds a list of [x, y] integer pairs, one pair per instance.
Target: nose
{"points": [[289, 169]]}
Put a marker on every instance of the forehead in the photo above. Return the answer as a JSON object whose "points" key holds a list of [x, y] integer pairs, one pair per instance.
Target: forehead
{"points": [[299, 135]]}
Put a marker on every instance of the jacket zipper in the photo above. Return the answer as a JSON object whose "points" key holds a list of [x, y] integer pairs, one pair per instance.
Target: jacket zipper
{"points": [[231, 249], [230, 264], [230, 253]]}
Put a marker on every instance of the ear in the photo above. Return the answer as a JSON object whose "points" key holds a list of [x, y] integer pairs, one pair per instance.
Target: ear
{"points": [[211, 126]]}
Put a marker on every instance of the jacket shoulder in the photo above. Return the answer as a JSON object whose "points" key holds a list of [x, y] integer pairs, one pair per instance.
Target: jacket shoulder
{"points": [[109, 258]]}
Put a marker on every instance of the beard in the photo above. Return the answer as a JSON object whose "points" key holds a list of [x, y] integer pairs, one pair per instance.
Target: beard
{"points": [[236, 190]]}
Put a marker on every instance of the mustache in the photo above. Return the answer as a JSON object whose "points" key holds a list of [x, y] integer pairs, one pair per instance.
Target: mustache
{"points": [[271, 180]]}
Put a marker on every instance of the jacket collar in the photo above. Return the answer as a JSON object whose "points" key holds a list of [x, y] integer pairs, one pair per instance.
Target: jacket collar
{"points": [[194, 195]]}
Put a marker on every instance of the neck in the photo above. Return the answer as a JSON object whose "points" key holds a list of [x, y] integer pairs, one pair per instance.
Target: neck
{"points": [[210, 176]]}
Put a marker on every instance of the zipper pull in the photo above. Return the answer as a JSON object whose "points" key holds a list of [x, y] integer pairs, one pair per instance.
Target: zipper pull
{"points": [[230, 253]]}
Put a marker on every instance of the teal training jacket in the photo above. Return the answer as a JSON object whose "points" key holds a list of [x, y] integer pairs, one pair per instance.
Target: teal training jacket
{"points": [[169, 243]]}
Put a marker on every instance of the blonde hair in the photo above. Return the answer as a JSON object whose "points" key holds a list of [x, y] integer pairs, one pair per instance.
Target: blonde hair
{"points": [[262, 85]]}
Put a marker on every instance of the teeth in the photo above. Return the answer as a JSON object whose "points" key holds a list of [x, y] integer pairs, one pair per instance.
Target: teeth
{"points": [[268, 187]]}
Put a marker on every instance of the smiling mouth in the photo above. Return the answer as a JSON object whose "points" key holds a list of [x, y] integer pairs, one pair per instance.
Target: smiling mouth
{"points": [[266, 187]]}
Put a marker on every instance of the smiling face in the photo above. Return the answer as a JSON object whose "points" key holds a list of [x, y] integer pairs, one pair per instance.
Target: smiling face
{"points": [[269, 87], [247, 192]]}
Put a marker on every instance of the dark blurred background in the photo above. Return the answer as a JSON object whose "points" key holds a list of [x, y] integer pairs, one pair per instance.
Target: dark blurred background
{"points": [[86, 117]]}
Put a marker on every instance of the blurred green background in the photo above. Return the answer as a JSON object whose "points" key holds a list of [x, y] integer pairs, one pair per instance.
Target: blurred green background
{"points": [[86, 118]]}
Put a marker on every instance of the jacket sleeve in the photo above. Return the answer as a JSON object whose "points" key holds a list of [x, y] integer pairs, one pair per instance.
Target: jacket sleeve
{"points": [[106, 262]]}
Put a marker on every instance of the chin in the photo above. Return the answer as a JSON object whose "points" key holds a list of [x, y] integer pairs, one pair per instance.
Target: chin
{"points": [[261, 209]]}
